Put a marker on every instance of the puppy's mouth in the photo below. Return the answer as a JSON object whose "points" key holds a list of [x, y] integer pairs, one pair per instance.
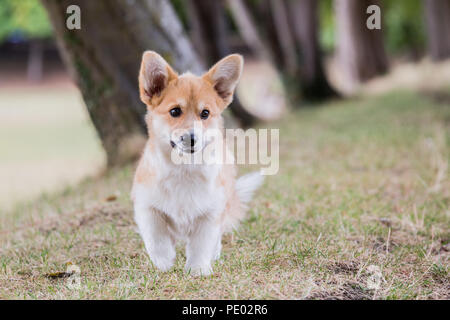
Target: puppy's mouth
{"points": [[182, 148]]}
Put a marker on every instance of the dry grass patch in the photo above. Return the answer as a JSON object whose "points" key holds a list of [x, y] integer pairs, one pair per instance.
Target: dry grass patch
{"points": [[362, 197]]}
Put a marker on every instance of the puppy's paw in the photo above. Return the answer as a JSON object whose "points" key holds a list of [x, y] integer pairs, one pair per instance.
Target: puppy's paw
{"points": [[197, 271], [162, 262]]}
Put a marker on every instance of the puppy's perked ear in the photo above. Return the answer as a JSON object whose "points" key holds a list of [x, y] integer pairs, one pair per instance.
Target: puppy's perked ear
{"points": [[154, 76], [225, 75]]}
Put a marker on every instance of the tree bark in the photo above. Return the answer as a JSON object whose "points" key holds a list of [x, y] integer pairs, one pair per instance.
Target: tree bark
{"points": [[104, 57], [303, 15], [290, 30], [35, 61], [285, 36], [248, 30], [360, 51], [437, 17], [210, 37]]}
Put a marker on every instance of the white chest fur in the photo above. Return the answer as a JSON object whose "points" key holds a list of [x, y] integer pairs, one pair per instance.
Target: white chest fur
{"points": [[184, 193]]}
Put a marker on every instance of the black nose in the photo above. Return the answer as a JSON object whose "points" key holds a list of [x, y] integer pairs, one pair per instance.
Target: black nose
{"points": [[193, 139]]}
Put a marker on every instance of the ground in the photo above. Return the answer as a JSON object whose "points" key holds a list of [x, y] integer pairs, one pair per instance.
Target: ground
{"points": [[46, 140], [358, 210]]}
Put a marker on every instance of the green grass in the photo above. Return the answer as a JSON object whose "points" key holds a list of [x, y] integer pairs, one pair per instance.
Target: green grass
{"points": [[363, 186]]}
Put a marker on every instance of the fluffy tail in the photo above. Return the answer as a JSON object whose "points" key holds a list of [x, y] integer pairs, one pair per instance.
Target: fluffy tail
{"points": [[247, 185]]}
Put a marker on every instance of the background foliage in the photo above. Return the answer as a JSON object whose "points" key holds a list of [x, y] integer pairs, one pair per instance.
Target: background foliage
{"points": [[23, 18], [405, 27], [404, 22]]}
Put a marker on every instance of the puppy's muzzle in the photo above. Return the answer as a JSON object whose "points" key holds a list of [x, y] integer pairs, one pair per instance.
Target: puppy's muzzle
{"points": [[186, 142]]}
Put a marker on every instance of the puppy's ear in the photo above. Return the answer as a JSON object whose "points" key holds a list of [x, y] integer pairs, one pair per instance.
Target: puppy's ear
{"points": [[225, 75], [154, 76]]}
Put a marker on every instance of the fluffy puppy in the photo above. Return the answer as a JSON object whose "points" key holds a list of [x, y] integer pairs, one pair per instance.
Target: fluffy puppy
{"points": [[195, 203]]}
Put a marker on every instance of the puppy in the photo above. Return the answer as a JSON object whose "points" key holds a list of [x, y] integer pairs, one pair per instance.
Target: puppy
{"points": [[195, 203]]}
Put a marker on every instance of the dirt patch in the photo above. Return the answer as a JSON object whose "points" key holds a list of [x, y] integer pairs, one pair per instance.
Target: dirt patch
{"points": [[348, 291], [441, 97], [111, 212], [381, 245], [100, 214], [348, 268]]}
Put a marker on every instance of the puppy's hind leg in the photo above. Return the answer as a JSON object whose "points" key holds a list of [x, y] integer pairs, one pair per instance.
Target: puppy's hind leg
{"points": [[158, 241]]}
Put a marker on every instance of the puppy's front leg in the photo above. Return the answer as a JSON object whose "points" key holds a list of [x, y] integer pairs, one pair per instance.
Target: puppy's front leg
{"points": [[157, 239], [201, 247]]}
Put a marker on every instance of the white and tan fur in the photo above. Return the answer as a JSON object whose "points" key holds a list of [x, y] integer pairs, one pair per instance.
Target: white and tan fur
{"points": [[195, 203]]}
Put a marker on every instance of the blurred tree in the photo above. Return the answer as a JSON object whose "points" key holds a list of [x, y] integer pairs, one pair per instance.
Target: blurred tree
{"points": [[104, 58], [29, 19], [327, 25], [210, 39], [287, 33], [25, 16], [437, 14], [304, 20], [248, 30], [405, 30], [360, 50]]}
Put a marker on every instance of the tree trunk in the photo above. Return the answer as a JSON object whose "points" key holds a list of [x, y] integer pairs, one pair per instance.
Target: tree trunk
{"points": [[35, 61], [285, 36], [248, 30], [209, 36], [104, 57], [360, 50], [290, 28], [437, 16], [303, 15]]}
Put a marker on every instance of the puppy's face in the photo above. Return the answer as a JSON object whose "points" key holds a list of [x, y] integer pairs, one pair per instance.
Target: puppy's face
{"points": [[182, 108]]}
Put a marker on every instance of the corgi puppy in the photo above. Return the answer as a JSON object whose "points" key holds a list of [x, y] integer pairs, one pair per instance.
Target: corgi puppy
{"points": [[195, 203]]}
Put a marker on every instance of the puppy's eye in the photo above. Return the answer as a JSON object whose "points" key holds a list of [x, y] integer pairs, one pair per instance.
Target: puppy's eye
{"points": [[175, 112], [204, 114]]}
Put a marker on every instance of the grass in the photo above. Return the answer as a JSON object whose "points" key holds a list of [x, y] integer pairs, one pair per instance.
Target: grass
{"points": [[46, 141], [362, 197]]}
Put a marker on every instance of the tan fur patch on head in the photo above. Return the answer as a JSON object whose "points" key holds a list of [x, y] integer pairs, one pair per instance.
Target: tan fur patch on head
{"points": [[192, 95], [156, 77], [162, 90]]}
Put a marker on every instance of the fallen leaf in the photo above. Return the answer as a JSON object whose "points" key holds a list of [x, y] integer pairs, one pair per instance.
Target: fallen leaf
{"points": [[58, 275], [111, 198]]}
